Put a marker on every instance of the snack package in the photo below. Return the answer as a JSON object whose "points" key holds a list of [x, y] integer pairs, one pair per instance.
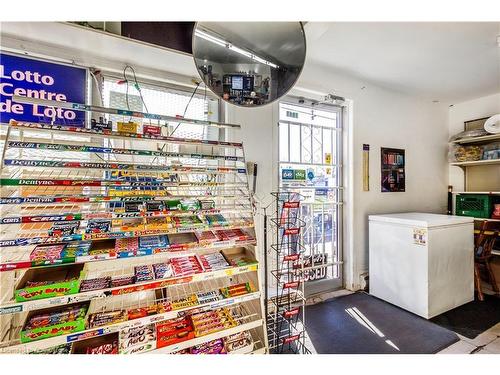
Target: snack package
{"points": [[153, 242], [98, 226], [151, 130], [141, 312], [211, 347], [182, 303], [138, 339], [126, 247], [232, 235], [205, 323], [213, 262], [154, 206], [101, 124], [122, 281], [236, 290], [77, 249], [208, 297], [184, 266], [144, 273], [206, 237], [173, 331], [47, 253], [239, 343], [63, 315], [106, 318], [162, 270], [63, 228], [131, 206], [108, 348], [95, 284], [216, 220]]}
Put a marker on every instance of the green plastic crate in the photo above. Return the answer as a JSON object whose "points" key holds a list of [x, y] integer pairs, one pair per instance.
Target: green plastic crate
{"points": [[475, 205]]}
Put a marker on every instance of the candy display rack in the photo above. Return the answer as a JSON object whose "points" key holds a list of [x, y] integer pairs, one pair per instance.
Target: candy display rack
{"points": [[286, 306], [161, 228]]}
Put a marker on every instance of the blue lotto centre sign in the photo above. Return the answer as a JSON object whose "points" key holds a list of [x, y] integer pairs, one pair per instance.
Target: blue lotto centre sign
{"points": [[42, 80]]}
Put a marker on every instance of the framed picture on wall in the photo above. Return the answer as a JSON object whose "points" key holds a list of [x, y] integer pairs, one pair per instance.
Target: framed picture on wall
{"points": [[393, 170]]}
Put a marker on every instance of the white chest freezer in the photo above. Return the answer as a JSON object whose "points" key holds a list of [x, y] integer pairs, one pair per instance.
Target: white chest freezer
{"points": [[423, 263]]}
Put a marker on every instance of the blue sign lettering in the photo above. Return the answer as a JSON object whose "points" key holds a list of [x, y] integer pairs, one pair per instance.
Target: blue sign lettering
{"points": [[40, 80]]}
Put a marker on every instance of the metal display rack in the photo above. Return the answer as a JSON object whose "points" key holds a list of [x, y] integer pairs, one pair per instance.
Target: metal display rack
{"points": [[286, 306], [66, 175]]}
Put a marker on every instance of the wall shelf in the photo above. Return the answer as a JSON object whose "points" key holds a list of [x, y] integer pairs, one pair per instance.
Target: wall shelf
{"points": [[476, 163], [470, 140]]}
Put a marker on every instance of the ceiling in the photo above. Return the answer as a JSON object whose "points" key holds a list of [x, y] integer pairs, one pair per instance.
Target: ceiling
{"points": [[279, 42], [449, 62]]}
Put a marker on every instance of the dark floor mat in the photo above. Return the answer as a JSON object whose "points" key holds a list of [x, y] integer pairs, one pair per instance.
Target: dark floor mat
{"points": [[362, 324], [472, 318]]}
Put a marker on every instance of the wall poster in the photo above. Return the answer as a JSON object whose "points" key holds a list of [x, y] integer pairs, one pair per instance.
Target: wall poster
{"points": [[393, 169]]}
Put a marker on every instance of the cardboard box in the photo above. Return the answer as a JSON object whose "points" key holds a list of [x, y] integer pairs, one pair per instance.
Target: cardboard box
{"points": [[39, 333], [239, 257], [173, 331], [127, 127], [57, 273]]}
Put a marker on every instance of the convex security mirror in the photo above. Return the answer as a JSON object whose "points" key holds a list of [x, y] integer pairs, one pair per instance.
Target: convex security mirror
{"points": [[249, 63]]}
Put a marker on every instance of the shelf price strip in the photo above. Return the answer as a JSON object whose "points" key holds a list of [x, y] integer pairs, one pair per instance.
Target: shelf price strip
{"points": [[79, 130], [119, 151], [119, 166]]}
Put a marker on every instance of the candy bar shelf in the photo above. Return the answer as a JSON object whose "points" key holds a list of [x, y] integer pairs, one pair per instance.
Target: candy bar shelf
{"points": [[19, 257], [286, 307], [249, 301], [120, 270], [133, 220]]}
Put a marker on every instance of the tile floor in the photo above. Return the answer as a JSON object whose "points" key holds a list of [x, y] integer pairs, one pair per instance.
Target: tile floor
{"points": [[487, 342]]}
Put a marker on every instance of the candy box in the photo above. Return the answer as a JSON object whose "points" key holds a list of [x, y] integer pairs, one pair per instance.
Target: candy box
{"points": [[211, 347], [101, 124], [59, 349], [133, 206], [99, 250], [138, 339], [153, 242], [154, 206], [179, 241], [105, 344], [77, 249], [105, 318], [239, 343], [236, 290], [239, 257], [206, 237], [58, 280], [50, 254], [158, 223], [207, 205], [127, 127], [63, 228], [173, 331], [151, 130], [54, 321]]}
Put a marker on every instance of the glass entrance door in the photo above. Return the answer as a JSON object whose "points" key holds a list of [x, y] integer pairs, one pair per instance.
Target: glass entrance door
{"points": [[310, 163]]}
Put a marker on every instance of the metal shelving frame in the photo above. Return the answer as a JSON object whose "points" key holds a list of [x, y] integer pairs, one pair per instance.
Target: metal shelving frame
{"points": [[54, 172], [286, 307]]}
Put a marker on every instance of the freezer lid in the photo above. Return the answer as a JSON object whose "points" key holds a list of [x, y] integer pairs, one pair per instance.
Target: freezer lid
{"points": [[421, 219]]}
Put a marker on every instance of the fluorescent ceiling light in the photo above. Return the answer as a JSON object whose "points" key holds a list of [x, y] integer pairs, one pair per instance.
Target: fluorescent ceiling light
{"points": [[241, 51]]}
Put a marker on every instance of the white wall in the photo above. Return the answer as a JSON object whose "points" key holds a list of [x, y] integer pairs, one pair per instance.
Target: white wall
{"points": [[470, 110], [380, 118]]}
